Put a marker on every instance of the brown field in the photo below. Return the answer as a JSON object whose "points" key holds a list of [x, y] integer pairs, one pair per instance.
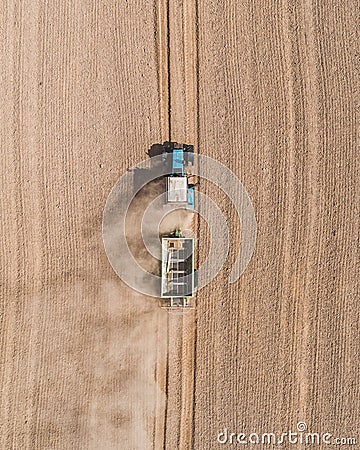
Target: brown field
{"points": [[268, 88]]}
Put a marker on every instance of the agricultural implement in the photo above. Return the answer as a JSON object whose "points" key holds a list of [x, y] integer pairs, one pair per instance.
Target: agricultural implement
{"points": [[178, 275]]}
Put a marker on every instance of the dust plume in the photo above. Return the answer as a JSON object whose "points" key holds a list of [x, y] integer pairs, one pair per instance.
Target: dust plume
{"points": [[161, 222], [123, 410], [180, 219]]}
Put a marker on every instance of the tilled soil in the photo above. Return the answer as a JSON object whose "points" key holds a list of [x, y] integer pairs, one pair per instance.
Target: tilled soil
{"points": [[267, 88]]}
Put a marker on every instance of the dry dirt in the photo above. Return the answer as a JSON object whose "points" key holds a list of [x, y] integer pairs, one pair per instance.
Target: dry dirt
{"points": [[267, 87]]}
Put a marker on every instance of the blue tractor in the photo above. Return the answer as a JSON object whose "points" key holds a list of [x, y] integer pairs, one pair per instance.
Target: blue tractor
{"points": [[178, 189], [180, 159]]}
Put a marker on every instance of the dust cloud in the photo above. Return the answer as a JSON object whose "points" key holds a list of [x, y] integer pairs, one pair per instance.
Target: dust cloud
{"points": [[180, 219], [162, 221], [124, 409], [130, 351]]}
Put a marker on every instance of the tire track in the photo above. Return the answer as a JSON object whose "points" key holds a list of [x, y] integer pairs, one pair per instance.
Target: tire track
{"points": [[163, 65], [163, 69], [177, 60]]}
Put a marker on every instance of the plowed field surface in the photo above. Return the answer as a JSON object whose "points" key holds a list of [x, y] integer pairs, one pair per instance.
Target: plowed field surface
{"points": [[269, 89]]}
